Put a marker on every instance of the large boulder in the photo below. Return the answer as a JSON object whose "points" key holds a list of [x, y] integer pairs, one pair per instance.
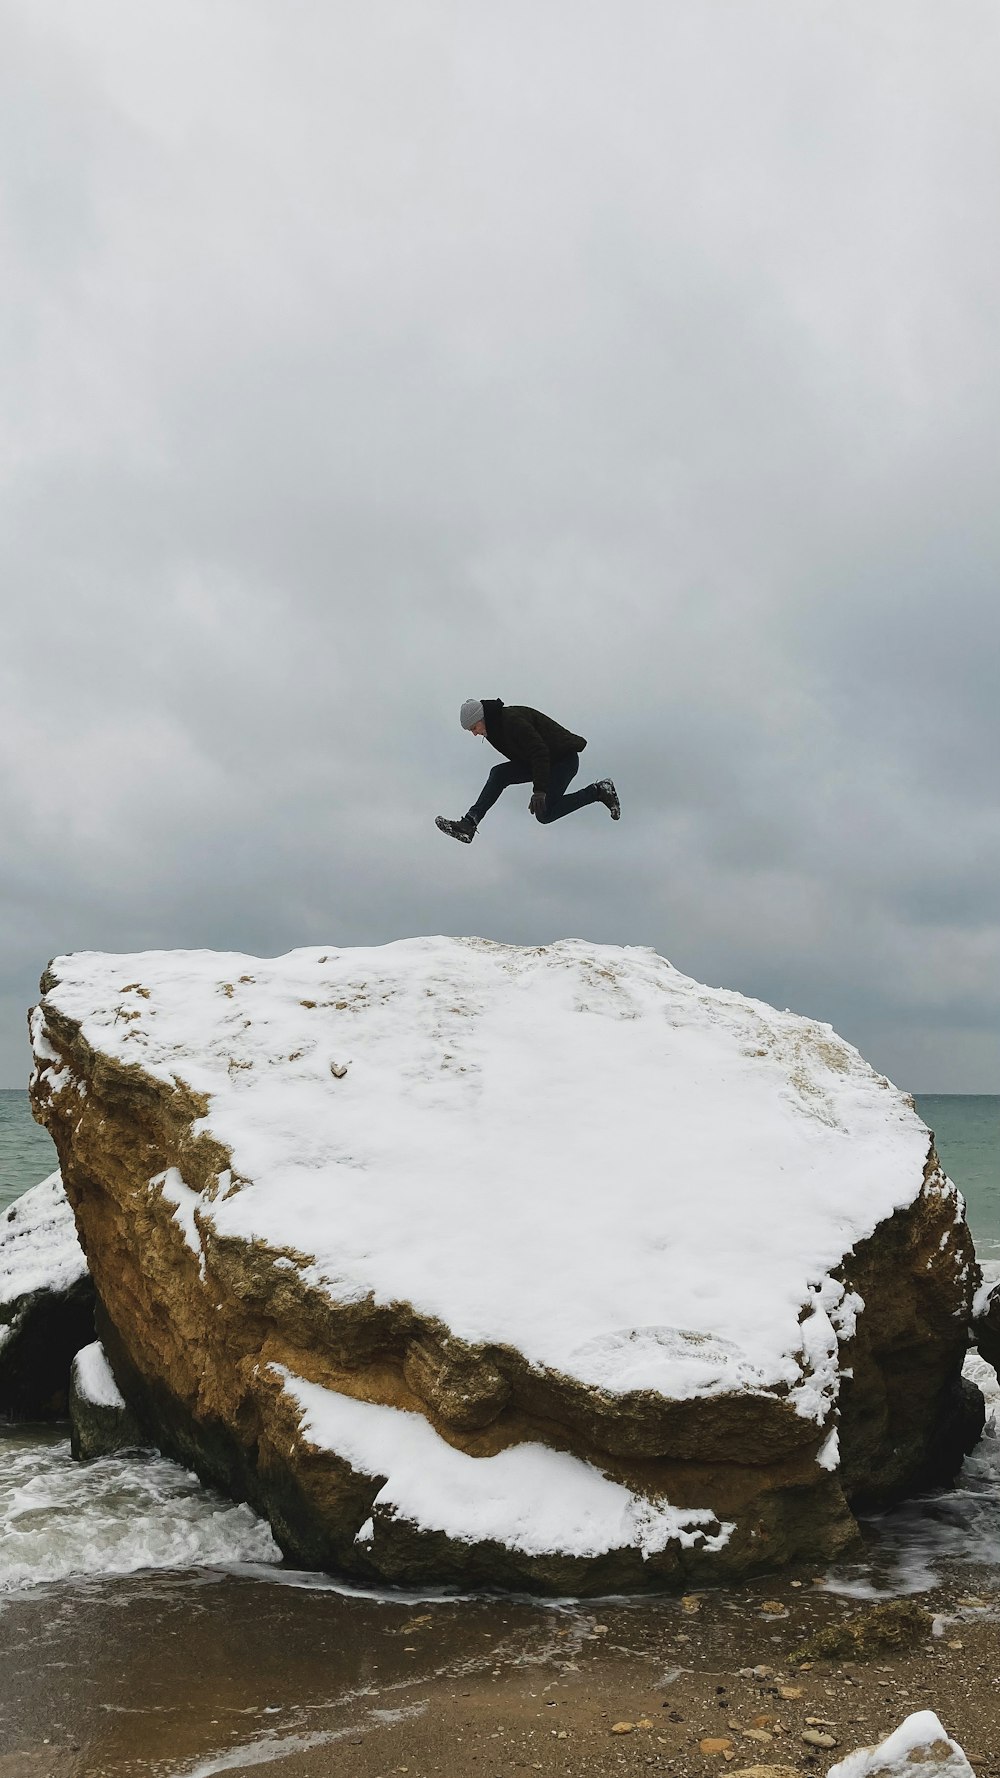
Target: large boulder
{"points": [[538, 1267], [46, 1302]]}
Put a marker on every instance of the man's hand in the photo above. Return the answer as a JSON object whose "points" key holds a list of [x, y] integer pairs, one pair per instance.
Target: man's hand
{"points": [[536, 806]]}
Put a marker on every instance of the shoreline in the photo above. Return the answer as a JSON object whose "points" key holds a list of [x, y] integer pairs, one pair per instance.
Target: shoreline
{"points": [[186, 1676]]}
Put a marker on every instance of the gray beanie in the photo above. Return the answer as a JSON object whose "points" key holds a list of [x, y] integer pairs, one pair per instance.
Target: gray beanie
{"points": [[470, 713]]}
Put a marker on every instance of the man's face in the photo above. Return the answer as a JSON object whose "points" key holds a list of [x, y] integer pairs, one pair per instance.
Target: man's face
{"points": [[478, 728]]}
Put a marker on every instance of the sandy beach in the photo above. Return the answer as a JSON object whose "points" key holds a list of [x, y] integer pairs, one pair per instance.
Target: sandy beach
{"points": [[190, 1677]]}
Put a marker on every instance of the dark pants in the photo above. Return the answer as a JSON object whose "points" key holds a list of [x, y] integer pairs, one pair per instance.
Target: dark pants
{"points": [[557, 803]]}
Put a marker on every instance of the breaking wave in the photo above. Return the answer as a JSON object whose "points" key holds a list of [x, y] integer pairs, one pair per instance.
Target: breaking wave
{"points": [[116, 1515]]}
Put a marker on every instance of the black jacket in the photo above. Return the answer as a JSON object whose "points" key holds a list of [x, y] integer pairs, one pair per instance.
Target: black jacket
{"points": [[528, 738]]}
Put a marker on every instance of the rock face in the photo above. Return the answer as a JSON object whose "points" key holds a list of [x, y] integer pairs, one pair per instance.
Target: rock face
{"points": [[547, 1268], [46, 1302]]}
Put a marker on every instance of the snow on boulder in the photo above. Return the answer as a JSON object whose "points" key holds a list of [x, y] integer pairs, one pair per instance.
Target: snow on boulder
{"points": [[46, 1301], [919, 1748], [101, 1421], [986, 1320], [537, 1266]]}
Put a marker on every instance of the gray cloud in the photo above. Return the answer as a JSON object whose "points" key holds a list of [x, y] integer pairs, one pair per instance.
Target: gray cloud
{"points": [[641, 365]]}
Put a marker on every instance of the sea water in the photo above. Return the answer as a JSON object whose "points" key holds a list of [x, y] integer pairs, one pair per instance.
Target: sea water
{"points": [[60, 1520], [967, 1131], [27, 1152], [115, 1515]]}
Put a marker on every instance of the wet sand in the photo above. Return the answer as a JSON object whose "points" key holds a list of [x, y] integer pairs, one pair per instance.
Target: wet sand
{"points": [[192, 1676]]}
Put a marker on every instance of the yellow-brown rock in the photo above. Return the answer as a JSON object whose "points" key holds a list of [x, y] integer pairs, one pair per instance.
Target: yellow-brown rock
{"points": [[478, 1265]]}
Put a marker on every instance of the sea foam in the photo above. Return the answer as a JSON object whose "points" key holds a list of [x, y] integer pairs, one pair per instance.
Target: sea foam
{"points": [[116, 1515]]}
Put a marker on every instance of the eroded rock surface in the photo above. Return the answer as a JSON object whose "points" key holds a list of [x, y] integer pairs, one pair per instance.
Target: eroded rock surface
{"points": [[476, 1264]]}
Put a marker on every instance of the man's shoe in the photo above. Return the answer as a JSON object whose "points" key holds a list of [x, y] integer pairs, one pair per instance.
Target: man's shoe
{"points": [[609, 797], [464, 830]]}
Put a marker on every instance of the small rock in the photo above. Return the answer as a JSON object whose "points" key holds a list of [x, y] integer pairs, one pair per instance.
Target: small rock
{"points": [[622, 1728], [774, 1608], [763, 1672], [690, 1602], [790, 1692], [818, 1738], [758, 1735], [766, 1772], [645, 1722], [715, 1744]]}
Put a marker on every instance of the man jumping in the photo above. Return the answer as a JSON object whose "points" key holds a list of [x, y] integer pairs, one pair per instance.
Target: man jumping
{"points": [[540, 753]]}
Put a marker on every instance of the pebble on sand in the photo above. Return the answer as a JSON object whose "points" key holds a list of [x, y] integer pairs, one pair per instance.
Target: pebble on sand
{"points": [[766, 1772], [818, 1738]]}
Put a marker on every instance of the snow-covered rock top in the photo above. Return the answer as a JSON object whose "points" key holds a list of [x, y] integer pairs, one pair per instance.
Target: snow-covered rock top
{"points": [[919, 1748], [576, 1151], [39, 1247], [93, 1378]]}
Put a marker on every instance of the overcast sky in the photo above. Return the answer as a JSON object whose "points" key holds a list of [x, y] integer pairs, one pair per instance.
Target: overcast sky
{"points": [[637, 361]]}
